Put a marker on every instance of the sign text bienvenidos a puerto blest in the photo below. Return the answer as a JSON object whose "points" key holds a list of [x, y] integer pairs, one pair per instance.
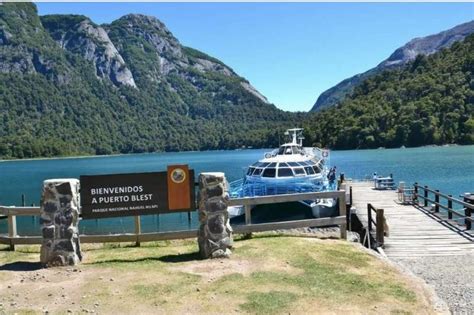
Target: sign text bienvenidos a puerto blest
{"points": [[115, 195]]}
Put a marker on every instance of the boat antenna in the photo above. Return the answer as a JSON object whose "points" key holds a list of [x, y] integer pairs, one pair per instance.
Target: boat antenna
{"points": [[301, 138]]}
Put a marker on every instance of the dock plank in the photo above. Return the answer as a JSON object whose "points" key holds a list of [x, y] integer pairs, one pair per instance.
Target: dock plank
{"points": [[412, 232]]}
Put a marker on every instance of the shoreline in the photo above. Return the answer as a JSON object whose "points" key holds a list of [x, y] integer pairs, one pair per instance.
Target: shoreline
{"points": [[219, 150]]}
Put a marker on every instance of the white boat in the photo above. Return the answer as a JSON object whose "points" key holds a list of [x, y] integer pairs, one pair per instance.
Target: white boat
{"points": [[291, 168]]}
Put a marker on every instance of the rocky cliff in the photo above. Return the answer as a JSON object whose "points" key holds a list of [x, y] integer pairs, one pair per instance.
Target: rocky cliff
{"points": [[70, 86], [80, 35]]}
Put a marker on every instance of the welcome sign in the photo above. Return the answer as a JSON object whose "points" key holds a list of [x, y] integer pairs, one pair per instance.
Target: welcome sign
{"points": [[104, 196]]}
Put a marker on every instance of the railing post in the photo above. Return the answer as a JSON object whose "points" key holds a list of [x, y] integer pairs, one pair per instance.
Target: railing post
{"points": [[468, 222], [342, 212], [248, 214], [138, 230], [425, 194], [12, 232], [437, 201], [350, 196], [450, 207], [379, 231], [248, 218], [23, 201], [369, 217], [467, 213], [415, 192]]}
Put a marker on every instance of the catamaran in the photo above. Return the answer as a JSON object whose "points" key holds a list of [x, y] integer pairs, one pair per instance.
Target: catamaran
{"points": [[289, 169]]}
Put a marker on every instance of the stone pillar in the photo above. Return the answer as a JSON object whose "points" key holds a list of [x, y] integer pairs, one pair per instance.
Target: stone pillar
{"points": [[215, 232], [59, 223]]}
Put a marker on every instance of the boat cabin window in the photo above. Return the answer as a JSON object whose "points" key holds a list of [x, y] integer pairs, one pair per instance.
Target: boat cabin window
{"points": [[264, 164], [299, 171], [250, 171], [269, 172], [283, 164], [285, 172], [316, 169], [257, 172], [309, 170], [256, 164], [272, 164], [293, 164]]}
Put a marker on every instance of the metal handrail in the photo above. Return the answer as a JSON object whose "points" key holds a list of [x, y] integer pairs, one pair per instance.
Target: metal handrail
{"points": [[468, 208]]}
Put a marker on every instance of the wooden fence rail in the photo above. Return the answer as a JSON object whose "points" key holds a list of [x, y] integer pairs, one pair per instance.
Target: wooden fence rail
{"points": [[468, 208], [378, 222], [13, 238]]}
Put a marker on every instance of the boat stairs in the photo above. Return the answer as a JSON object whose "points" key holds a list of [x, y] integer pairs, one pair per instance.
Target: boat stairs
{"points": [[413, 222]]}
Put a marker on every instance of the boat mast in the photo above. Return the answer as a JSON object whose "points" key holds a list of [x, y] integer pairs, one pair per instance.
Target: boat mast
{"points": [[294, 135]]}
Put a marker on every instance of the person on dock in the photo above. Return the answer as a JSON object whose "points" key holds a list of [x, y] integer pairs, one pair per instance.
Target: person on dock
{"points": [[332, 178], [375, 178]]}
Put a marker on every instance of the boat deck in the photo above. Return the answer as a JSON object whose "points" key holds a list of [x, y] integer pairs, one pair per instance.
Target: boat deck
{"points": [[413, 231]]}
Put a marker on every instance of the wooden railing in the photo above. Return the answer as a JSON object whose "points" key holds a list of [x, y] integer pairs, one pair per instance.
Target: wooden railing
{"points": [[13, 238], [10, 213], [249, 202], [378, 223], [422, 199]]}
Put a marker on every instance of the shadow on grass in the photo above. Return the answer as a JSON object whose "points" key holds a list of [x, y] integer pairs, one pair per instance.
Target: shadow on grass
{"points": [[21, 266], [166, 259], [268, 234], [180, 258]]}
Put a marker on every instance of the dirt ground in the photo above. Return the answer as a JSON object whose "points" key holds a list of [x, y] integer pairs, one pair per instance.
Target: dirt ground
{"points": [[264, 275]]}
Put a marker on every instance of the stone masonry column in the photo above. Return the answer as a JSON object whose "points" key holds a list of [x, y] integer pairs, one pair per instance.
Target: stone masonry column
{"points": [[215, 232], [59, 223]]}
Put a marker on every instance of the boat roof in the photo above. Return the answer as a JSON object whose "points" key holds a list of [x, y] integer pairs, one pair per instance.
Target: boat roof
{"points": [[288, 158]]}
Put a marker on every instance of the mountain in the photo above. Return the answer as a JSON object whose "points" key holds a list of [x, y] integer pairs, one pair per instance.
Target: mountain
{"points": [[424, 46], [429, 100], [69, 86]]}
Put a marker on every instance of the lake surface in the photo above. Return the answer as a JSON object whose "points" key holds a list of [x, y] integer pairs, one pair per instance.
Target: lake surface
{"points": [[449, 169]]}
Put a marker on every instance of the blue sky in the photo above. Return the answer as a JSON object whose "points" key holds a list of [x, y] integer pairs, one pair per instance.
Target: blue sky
{"points": [[291, 52]]}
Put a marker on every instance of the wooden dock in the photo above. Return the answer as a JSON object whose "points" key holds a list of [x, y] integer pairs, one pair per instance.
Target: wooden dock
{"points": [[413, 232]]}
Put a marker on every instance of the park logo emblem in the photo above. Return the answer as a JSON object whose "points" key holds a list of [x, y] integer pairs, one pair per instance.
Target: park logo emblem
{"points": [[178, 175]]}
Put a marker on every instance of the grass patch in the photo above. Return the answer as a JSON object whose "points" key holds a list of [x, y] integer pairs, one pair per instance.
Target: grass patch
{"points": [[152, 290], [326, 274], [268, 302], [21, 253]]}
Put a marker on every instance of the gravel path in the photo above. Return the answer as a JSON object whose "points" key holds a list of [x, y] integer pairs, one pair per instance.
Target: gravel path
{"points": [[452, 277]]}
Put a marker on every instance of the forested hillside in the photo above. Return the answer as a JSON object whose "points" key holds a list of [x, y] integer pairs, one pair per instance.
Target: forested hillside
{"points": [[418, 46], [69, 86], [429, 101]]}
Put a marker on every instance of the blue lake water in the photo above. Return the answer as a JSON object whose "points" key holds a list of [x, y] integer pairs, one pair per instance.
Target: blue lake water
{"points": [[450, 169]]}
